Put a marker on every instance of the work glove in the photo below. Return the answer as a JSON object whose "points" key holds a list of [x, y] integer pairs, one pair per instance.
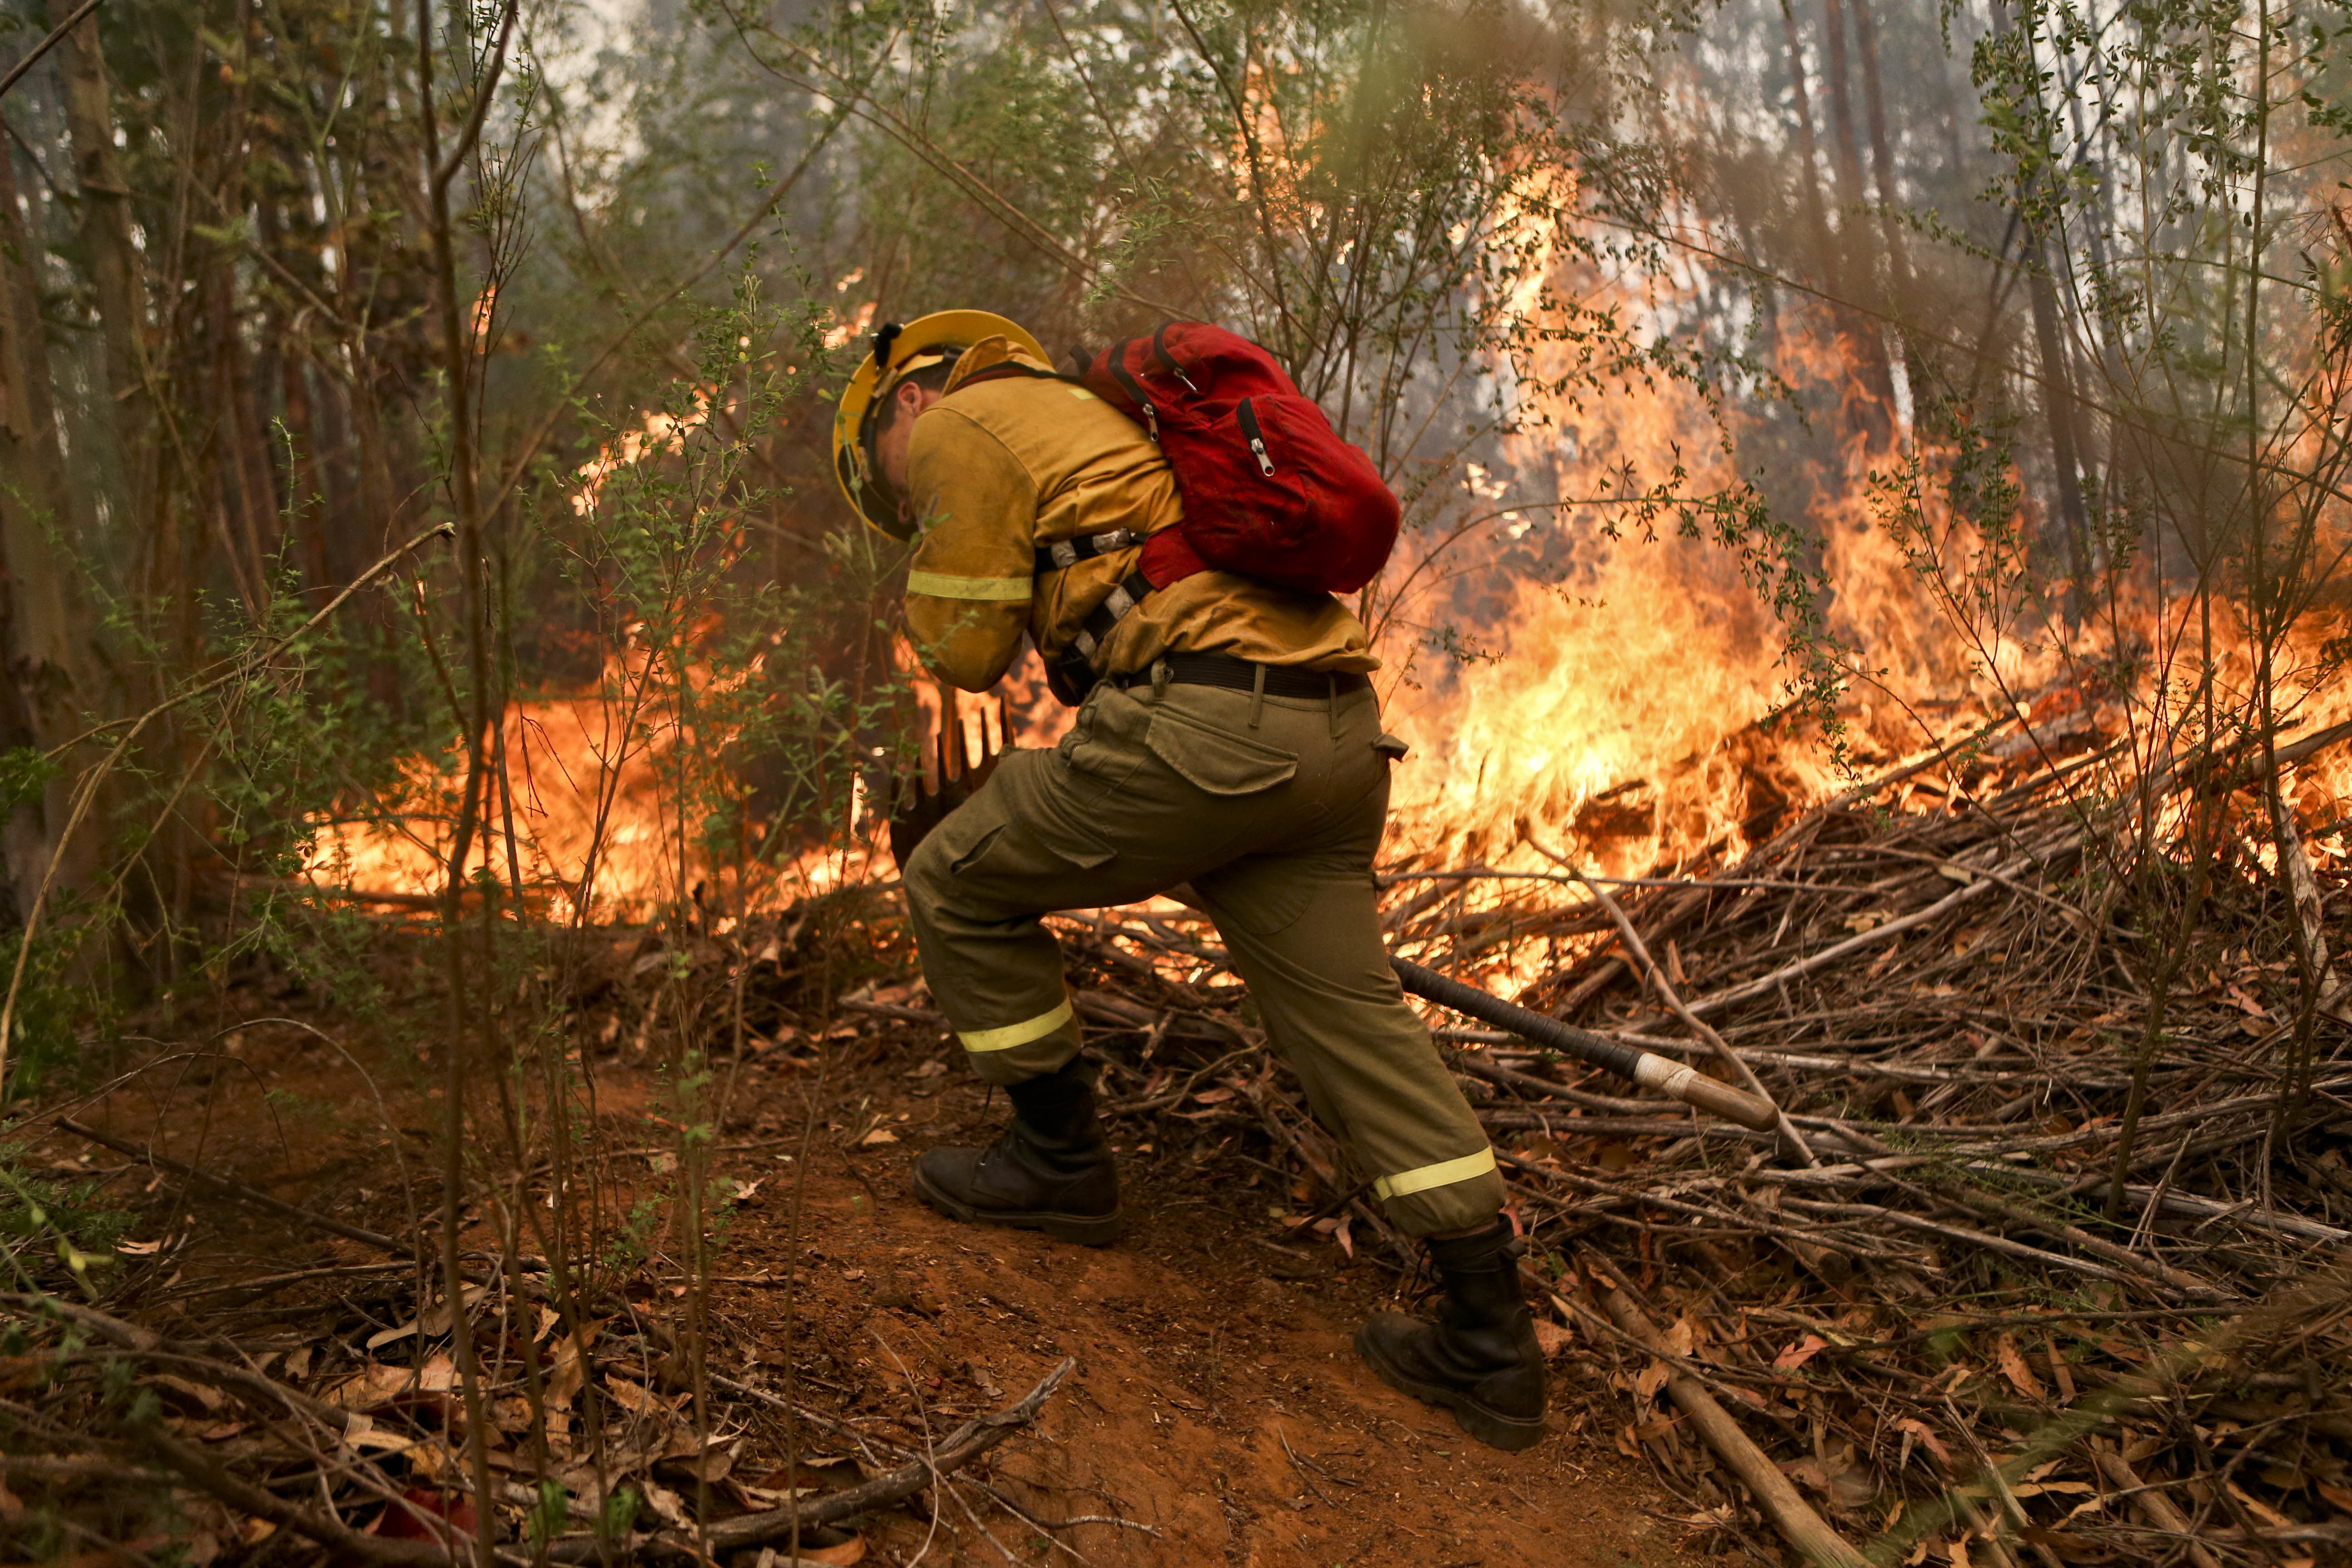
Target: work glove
{"points": [[918, 806]]}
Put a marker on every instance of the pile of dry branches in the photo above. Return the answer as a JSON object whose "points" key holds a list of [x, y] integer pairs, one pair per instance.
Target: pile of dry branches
{"points": [[2040, 1265], [2036, 1267]]}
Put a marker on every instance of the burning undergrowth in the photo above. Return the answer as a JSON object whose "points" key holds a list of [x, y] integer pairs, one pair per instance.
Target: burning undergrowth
{"points": [[2031, 937], [2041, 1257], [2039, 1262]]}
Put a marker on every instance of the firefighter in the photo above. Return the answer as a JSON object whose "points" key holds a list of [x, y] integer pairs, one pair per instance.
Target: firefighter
{"points": [[1231, 744]]}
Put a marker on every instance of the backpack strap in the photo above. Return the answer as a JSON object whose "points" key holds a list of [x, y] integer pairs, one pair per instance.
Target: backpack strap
{"points": [[1074, 671], [1064, 553], [1168, 558], [1115, 360], [1004, 372]]}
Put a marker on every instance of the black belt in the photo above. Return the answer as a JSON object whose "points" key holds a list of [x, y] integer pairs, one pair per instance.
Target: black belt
{"points": [[1241, 675]]}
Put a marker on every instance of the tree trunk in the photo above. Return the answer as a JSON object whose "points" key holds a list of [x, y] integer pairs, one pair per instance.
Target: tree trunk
{"points": [[2057, 389], [1809, 185], [341, 516], [48, 679], [307, 504], [1881, 156], [113, 259], [1896, 297], [2058, 404], [243, 501], [1842, 140], [1858, 251]]}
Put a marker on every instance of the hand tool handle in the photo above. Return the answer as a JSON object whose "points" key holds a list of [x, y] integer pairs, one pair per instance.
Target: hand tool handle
{"points": [[1646, 1068]]}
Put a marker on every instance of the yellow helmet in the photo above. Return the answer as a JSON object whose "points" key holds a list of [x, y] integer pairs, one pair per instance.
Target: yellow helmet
{"points": [[896, 350]]}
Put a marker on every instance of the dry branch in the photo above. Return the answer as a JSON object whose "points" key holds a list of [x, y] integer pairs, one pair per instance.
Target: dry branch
{"points": [[1640, 950], [2153, 1506], [239, 1191], [965, 1445], [32, 56], [199, 1469], [1805, 1530]]}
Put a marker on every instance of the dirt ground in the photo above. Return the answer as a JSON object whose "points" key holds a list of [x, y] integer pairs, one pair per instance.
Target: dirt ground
{"points": [[1217, 1413], [1217, 1398]]}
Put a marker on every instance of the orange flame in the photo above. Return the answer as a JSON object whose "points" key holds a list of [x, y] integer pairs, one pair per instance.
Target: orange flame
{"points": [[1615, 723]]}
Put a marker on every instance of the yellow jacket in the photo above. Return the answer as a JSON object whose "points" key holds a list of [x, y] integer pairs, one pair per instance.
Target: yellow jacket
{"points": [[998, 470]]}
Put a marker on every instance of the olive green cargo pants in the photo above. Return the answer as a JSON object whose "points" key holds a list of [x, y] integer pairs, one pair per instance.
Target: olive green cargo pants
{"points": [[1272, 809]]}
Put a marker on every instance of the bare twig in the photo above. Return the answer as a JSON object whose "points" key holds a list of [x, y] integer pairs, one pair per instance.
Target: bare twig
{"points": [[32, 56], [239, 1191], [1657, 979], [965, 1443], [86, 788]]}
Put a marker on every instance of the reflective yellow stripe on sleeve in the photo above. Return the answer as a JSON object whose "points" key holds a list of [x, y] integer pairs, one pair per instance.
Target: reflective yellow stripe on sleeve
{"points": [[944, 586], [1445, 1173], [1036, 1028]]}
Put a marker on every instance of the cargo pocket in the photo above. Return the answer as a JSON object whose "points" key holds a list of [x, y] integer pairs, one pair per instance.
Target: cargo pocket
{"points": [[1044, 842], [1263, 905], [964, 858], [965, 833], [1214, 761], [1073, 845], [1102, 746]]}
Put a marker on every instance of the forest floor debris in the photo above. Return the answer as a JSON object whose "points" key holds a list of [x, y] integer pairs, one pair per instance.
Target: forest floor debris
{"points": [[1970, 1229], [1965, 1305], [1194, 1398]]}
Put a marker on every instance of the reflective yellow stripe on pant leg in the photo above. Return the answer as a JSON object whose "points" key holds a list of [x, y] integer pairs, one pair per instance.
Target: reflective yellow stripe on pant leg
{"points": [[1036, 1028], [1444, 1174]]}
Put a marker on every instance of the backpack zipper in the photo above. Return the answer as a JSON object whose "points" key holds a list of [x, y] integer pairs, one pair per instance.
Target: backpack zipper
{"points": [[1248, 416], [1159, 349], [1134, 389]]}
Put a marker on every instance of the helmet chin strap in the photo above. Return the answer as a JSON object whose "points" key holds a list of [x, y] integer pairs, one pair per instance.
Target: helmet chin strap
{"points": [[870, 422], [867, 421], [894, 350]]}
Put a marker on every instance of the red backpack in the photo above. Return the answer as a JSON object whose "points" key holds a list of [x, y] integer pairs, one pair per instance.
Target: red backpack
{"points": [[1270, 489]]}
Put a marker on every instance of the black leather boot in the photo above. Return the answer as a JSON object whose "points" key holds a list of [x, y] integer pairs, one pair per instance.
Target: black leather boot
{"points": [[1050, 1171], [1480, 1359]]}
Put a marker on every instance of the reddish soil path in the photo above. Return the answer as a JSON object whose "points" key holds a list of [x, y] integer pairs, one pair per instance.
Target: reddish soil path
{"points": [[1217, 1398]]}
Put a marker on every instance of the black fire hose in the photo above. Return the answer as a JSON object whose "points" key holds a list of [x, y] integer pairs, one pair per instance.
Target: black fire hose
{"points": [[1651, 1071]]}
